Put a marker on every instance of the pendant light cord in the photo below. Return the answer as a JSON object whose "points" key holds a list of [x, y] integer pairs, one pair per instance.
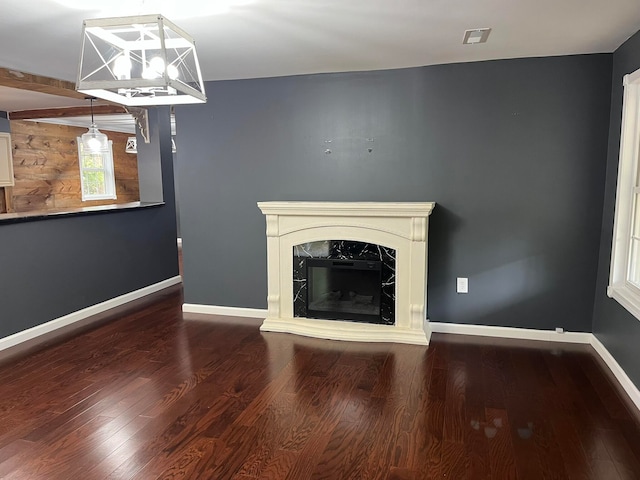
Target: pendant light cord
{"points": [[92, 122]]}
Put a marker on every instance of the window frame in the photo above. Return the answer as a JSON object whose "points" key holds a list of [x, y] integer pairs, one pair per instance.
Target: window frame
{"points": [[107, 169], [620, 287]]}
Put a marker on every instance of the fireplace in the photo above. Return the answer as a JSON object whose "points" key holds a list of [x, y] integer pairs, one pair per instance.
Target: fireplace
{"points": [[344, 289], [306, 240]]}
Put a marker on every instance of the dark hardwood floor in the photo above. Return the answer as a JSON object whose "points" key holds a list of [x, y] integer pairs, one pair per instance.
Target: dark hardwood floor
{"points": [[150, 395]]}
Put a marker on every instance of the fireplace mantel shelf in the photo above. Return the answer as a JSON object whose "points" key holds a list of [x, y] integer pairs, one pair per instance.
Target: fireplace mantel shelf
{"points": [[402, 226], [348, 209]]}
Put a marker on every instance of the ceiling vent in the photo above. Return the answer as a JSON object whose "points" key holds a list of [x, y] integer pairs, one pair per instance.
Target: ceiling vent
{"points": [[476, 35]]}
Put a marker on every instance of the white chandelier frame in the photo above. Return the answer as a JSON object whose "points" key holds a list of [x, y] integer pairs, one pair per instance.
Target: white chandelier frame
{"points": [[142, 60]]}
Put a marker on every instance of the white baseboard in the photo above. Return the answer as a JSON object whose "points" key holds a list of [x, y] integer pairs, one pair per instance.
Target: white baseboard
{"points": [[617, 371], [80, 315], [226, 311], [510, 332]]}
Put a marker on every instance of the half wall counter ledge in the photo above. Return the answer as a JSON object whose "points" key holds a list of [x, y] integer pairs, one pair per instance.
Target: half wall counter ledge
{"points": [[35, 215], [352, 271]]}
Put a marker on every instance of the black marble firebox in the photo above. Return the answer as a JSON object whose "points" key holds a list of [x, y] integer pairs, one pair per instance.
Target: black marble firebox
{"points": [[346, 250]]}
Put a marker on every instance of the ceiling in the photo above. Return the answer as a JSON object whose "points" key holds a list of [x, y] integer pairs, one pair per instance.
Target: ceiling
{"points": [[263, 38]]}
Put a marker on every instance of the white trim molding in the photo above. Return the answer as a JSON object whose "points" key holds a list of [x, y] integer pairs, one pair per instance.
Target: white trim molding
{"points": [[84, 314], [511, 332], [224, 311], [627, 296], [622, 274]]}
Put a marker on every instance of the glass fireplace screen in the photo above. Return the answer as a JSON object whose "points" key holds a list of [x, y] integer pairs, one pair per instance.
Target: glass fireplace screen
{"points": [[344, 289]]}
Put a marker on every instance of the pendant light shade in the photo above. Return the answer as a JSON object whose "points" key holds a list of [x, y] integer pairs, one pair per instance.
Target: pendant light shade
{"points": [[94, 141]]}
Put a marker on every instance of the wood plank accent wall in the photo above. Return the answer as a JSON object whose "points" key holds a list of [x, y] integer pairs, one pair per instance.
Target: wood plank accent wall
{"points": [[47, 174]]}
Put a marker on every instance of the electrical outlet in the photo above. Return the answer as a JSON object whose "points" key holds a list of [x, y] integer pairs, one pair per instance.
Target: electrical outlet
{"points": [[462, 285], [559, 330]]}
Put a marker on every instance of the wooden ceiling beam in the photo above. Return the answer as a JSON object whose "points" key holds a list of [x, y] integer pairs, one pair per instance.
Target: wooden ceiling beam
{"points": [[38, 83], [66, 112]]}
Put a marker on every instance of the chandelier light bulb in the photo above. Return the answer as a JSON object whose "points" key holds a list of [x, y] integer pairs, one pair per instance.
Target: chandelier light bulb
{"points": [[157, 65], [149, 74], [122, 67], [172, 71], [155, 69]]}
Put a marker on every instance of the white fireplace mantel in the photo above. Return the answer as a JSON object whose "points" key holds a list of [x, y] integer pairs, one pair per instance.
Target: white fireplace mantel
{"points": [[401, 226]]}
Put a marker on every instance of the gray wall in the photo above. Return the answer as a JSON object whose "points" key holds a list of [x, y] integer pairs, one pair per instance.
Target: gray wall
{"points": [[175, 159], [55, 266], [617, 329], [4, 122], [512, 151]]}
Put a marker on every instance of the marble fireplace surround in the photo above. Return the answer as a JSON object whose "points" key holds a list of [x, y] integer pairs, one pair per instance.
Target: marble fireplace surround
{"points": [[401, 226]]}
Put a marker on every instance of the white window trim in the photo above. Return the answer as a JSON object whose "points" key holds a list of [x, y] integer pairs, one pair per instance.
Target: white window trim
{"points": [[109, 175], [620, 289]]}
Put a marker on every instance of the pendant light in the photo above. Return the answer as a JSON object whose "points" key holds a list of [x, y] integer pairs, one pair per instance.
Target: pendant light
{"points": [[94, 141]]}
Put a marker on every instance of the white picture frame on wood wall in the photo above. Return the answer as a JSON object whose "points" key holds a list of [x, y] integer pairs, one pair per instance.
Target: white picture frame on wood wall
{"points": [[6, 161]]}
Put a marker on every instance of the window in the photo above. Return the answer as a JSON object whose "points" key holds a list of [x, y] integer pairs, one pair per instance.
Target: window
{"points": [[624, 278], [96, 174]]}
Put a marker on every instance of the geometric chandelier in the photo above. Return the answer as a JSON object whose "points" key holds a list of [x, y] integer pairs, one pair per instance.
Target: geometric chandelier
{"points": [[141, 60]]}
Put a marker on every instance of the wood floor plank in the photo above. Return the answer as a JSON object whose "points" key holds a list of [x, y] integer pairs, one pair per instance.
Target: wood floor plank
{"points": [[187, 461], [64, 423], [13, 455], [279, 466], [494, 384], [113, 452], [148, 393], [309, 456], [453, 462], [455, 425], [524, 414], [476, 443], [396, 473], [625, 472], [501, 452], [430, 447], [605, 389]]}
